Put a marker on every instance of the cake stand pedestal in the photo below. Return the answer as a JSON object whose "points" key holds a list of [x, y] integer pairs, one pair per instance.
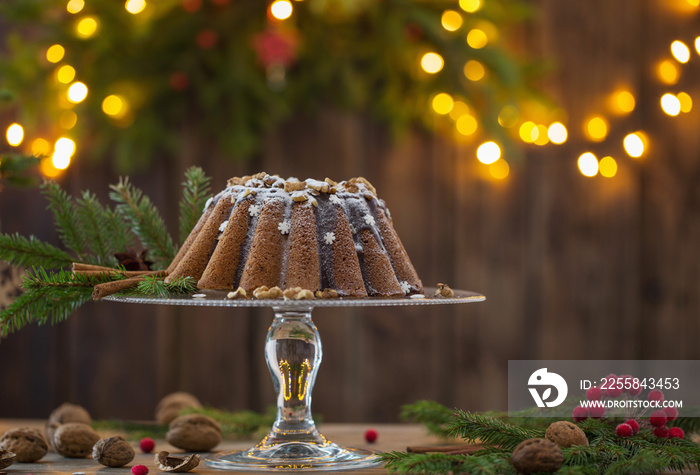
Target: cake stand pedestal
{"points": [[293, 354]]}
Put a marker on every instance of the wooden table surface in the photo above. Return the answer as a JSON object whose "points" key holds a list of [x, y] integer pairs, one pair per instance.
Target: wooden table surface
{"points": [[391, 437]]}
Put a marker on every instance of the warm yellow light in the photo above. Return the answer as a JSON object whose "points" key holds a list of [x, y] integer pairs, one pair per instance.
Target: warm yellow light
{"points": [[608, 167], [686, 101], [14, 134], [474, 70], [443, 103], [470, 6], [281, 9], [63, 151], [693, 3], [542, 136], [527, 130], [499, 169], [48, 169], [67, 120], [667, 72], [670, 104], [75, 6], [596, 129], [622, 102], [508, 117], [634, 144], [458, 110], [467, 124], [113, 105], [65, 74], [86, 27], [476, 38], [489, 30], [451, 20], [55, 53], [697, 44], [77, 92], [557, 133], [588, 164], [488, 152], [432, 63], [135, 6], [680, 51], [40, 147]]}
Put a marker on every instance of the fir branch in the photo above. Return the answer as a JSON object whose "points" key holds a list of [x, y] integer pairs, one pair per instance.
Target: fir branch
{"points": [[194, 195], [433, 415], [119, 231], [66, 218], [29, 252], [156, 286], [489, 431], [239, 424], [95, 223], [148, 225], [182, 285], [646, 461], [489, 464]]}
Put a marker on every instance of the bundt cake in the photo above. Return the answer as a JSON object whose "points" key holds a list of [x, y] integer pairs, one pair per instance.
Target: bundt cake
{"points": [[263, 230]]}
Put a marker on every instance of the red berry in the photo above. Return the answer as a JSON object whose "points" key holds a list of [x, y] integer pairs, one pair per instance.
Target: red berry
{"points": [[658, 418], [371, 436], [139, 470], [676, 432], [671, 413], [580, 414], [634, 425], [596, 412], [594, 394], [206, 39], [614, 392], [147, 445], [661, 432], [655, 395], [624, 430], [636, 388]]}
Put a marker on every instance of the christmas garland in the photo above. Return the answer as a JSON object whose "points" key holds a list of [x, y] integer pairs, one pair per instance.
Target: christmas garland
{"points": [[99, 244], [224, 73], [499, 436]]}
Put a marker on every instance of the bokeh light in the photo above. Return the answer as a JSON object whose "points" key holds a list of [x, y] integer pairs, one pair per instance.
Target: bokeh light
{"points": [[670, 104], [686, 101], [451, 20], [557, 133], [622, 101], [40, 147], [667, 72], [135, 6], [596, 129], [508, 117], [499, 169], [680, 51], [432, 63], [63, 151], [476, 38], [459, 108], [443, 103], [67, 120], [470, 6], [65, 74], [474, 70], [281, 9], [86, 27], [467, 124], [75, 6], [55, 53], [77, 92], [488, 152], [608, 167], [14, 134], [527, 130], [634, 144], [588, 164]]}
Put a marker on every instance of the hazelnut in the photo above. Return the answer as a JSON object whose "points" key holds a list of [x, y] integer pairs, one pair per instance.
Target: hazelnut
{"points": [[26, 442], [537, 455], [170, 406], [565, 434], [7, 458], [74, 440], [194, 433], [444, 290], [167, 463], [113, 452], [290, 186]]}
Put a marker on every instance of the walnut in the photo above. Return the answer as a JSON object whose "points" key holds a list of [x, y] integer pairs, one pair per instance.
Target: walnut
{"points": [[7, 458], [263, 292], [290, 186], [27, 443], [305, 294], [298, 293], [444, 290], [236, 180], [326, 294], [239, 293], [170, 406], [369, 186], [74, 440], [537, 455], [194, 433], [167, 463], [63, 414], [565, 434], [331, 182], [113, 452]]}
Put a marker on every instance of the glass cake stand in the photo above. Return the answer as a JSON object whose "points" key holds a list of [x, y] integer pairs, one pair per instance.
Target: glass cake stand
{"points": [[293, 354]]}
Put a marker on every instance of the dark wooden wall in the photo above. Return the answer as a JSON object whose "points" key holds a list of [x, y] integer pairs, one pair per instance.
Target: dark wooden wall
{"points": [[573, 268]]}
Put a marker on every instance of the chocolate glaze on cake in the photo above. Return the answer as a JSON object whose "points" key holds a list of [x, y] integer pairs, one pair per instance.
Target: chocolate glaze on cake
{"points": [[263, 230]]}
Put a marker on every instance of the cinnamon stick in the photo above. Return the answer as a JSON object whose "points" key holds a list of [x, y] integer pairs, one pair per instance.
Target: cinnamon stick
{"points": [[109, 288], [127, 273]]}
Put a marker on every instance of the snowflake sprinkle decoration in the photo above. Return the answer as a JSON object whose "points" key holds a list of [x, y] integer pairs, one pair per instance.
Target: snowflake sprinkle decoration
{"points": [[284, 227], [223, 226], [406, 287], [329, 237], [334, 199], [254, 210], [369, 219]]}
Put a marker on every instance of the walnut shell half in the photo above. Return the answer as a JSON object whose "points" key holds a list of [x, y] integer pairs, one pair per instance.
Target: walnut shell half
{"points": [[166, 463], [7, 458], [26, 442]]}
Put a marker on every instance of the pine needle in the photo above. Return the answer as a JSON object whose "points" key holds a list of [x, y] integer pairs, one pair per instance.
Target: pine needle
{"points": [[147, 222], [65, 215], [433, 415], [31, 252], [157, 287], [489, 431], [194, 195], [95, 223]]}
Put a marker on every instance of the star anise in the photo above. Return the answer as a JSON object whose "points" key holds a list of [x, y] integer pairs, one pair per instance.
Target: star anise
{"points": [[131, 260]]}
